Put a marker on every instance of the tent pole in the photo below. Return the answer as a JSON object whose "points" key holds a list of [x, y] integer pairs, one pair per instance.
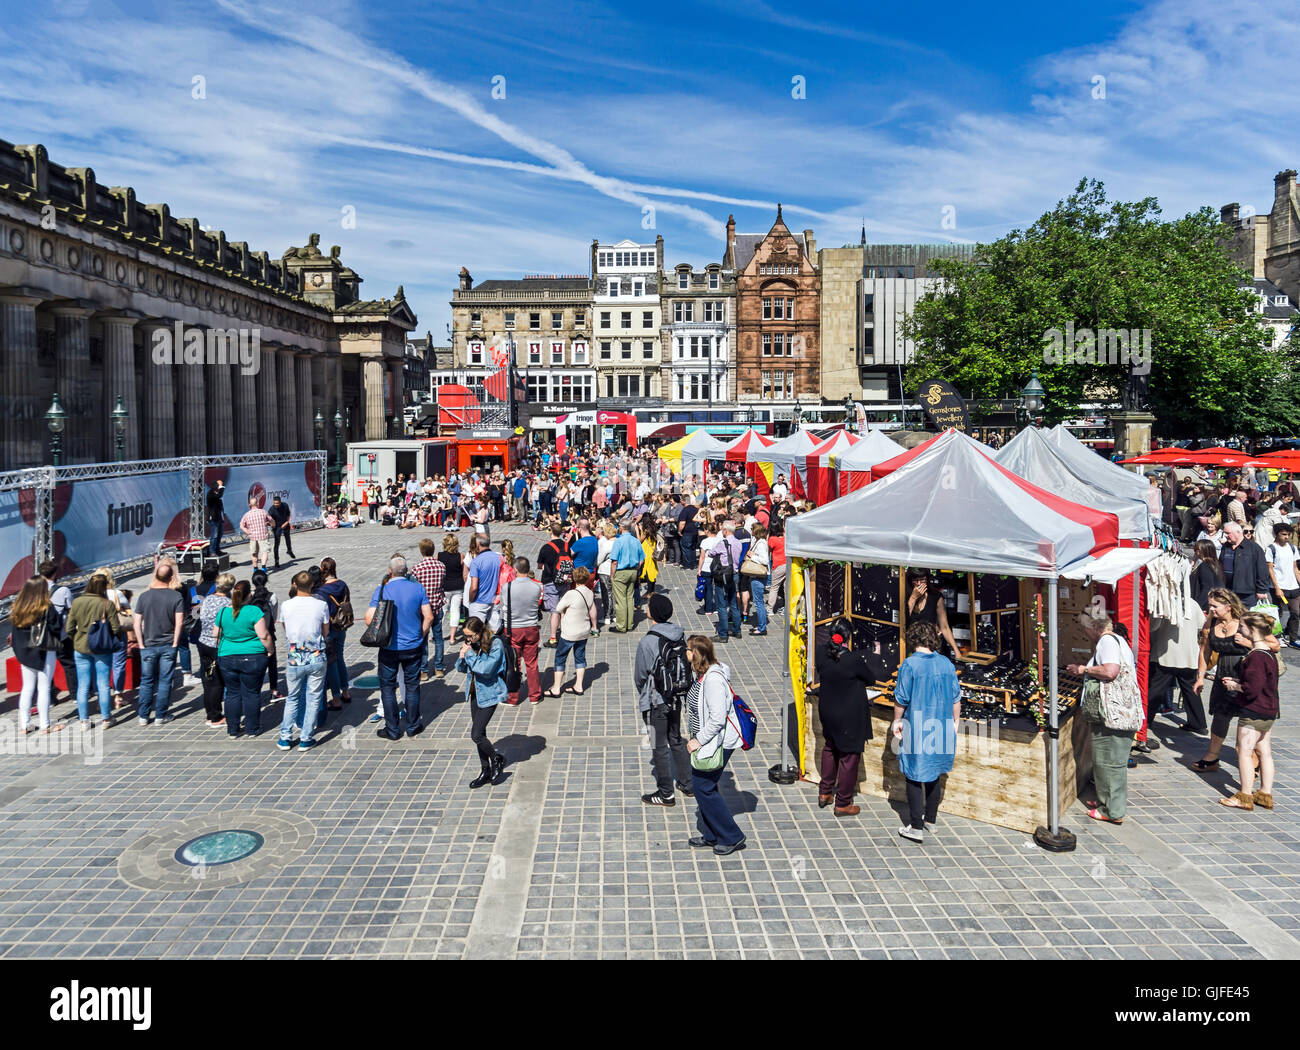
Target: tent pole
{"points": [[1054, 837], [783, 772]]}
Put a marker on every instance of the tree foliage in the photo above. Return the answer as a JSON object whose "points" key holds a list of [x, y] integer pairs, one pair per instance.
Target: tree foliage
{"points": [[1113, 265]]}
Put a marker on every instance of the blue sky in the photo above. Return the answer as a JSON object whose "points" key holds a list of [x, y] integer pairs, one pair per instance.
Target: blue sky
{"points": [[987, 110]]}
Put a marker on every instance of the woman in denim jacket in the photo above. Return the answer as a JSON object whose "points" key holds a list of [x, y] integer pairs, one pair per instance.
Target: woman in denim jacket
{"points": [[482, 661]]}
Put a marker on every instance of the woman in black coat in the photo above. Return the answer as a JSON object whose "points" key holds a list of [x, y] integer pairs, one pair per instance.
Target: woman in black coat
{"points": [[845, 713]]}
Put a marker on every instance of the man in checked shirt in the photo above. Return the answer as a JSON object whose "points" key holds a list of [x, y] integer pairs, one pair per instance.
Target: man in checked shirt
{"points": [[256, 525], [430, 572]]}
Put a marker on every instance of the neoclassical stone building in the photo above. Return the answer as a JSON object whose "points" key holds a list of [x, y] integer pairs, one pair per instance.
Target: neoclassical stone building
{"points": [[102, 296]]}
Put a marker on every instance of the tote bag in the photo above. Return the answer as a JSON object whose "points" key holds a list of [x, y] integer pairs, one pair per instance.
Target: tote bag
{"points": [[380, 631]]}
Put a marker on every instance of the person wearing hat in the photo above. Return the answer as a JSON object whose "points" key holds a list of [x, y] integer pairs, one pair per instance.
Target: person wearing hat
{"points": [[845, 712]]}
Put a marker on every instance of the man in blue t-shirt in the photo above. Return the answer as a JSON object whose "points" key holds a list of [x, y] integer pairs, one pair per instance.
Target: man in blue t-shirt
{"points": [[484, 574], [585, 550], [405, 649]]}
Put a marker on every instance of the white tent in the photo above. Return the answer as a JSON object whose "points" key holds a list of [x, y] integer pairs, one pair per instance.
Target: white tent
{"points": [[854, 466], [787, 455], [688, 456], [1097, 471], [1035, 459]]}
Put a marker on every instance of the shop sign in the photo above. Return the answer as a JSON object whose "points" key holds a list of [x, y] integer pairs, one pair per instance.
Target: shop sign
{"points": [[945, 407]]}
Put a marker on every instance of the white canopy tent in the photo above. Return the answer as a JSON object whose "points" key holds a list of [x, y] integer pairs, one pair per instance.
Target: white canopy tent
{"points": [[952, 507], [1097, 471], [854, 466], [1035, 459], [787, 455]]}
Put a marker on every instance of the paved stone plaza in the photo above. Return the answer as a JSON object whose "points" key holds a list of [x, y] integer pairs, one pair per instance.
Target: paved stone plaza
{"points": [[382, 850]]}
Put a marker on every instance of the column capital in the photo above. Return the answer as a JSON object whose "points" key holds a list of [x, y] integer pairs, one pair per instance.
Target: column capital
{"points": [[126, 318], [73, 307], [24, 294]]}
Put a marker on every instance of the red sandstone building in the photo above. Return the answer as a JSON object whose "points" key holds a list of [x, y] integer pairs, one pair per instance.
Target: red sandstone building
{"points": [[778, 313]]}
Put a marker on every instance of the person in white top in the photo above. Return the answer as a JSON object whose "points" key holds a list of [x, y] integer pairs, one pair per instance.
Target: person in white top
{"points": [[1281, 556], [1110, 747], [779, 490], [306, 623]]}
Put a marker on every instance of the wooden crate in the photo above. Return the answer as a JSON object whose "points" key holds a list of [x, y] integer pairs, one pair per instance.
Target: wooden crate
{"points": [[1000, 780]]}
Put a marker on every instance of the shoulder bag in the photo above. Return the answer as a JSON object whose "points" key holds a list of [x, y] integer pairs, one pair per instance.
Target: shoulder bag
{"points": [[100, 638], [44, 633], [1121, 702], [380, 631], [752, 566], [514, 677]]}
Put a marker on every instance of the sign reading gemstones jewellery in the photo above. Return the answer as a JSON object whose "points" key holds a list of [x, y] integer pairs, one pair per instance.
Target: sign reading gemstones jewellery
{"points": [[101, 521], [943, 405], [296, 483]]}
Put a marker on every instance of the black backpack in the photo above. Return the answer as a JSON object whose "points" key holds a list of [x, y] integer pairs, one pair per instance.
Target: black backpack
{"points": [[261, 597], [671, 674], [563, 565]]}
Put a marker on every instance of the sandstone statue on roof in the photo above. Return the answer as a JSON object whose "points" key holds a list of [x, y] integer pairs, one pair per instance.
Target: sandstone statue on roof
{"points": [[310, 251]]}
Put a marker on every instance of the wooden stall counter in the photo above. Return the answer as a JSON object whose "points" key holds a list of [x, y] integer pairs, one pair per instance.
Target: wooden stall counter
{"points": [[1000, 775]]}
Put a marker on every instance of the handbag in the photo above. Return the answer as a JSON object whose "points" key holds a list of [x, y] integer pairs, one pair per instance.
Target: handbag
{"points": [[514, 677], [380, 631], [100, 638], [44, 633], [751, 566], [701, 587], [1121, 702], [1270, 610], [710, 764]]}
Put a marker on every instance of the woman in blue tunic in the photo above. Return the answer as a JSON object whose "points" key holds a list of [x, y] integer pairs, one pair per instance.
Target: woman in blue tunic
{"points": [[927, 704]]}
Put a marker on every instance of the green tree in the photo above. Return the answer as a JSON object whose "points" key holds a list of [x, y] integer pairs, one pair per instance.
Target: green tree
{"points": [[1089, 264]]}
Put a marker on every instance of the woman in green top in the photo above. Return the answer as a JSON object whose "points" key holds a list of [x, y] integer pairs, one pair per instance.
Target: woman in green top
{"points": [[243, 646]]}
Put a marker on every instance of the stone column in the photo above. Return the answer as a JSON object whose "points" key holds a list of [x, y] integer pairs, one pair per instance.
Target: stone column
{"points": [[160, 382], [306, 403], [221, 417], [399, 398], [246, 407], [373, 379], [119, 381], [288, 406], [191, 407], [23, 432], [268, 401], [72, 380]]}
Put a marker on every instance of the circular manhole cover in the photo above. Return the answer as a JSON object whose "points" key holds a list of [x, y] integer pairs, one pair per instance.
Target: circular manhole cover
{"points": [[208, 852]]}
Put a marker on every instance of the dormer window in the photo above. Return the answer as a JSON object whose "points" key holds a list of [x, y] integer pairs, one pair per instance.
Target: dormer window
{"points": [[713, 280], [683, 280]]}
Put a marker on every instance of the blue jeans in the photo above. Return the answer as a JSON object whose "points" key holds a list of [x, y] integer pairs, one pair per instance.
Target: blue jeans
{"points": [[336, 670], [156, 665], [305, 698], [562, 650], [758, 599], [727, 605], [216, 529], [564, 511], [243, 676], [97, 664], [714, 819], [118, 675], [439, 644], [183, 657], [410, 662]]}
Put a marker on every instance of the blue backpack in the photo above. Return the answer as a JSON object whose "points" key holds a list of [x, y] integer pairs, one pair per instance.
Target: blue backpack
{"points": [[743, 721]]}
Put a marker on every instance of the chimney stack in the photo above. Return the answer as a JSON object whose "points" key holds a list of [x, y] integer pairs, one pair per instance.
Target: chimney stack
{"points": [[466, 281], [810, 246], [1230, 213], [729, 254]]}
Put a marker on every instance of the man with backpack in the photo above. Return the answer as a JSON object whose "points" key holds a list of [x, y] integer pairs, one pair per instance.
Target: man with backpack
{"points": [[662, 676], [555, 560]]}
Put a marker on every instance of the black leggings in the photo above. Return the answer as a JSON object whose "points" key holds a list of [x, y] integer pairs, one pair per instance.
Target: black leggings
{"points": [[923, 802], [478, 731]]}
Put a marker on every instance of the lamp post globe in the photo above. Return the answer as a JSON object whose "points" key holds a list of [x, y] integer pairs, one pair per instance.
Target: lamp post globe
{"points": [[120, 417], [56, 419], [1032, 397]]}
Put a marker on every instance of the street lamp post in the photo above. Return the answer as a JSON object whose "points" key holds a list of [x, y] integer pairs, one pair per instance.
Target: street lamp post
{"points": [[1030, 410], [56, 418], [120, 416], [318, 426], [338, 448]]}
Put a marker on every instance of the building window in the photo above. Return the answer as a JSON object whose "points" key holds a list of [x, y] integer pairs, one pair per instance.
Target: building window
{"points": [[604, 351], [625, 351], [648, 351], [767, 384], [869, 303], [476, 320], [534, 353], [767, 309], [476, 353], [647, 258], [538, 387], [712, 311], [535, 321], [557, 352], [579, 318], [584, 389], [778, 344], [580, 353], [613, 288], [629, 386], [767, 344], [683, 281], [681, 387], [626, 318], [713, 281], [789, 309], [647, 318], [695, 346], [683, 311], [638, 288], [604, 318], [510, 319], [557, 320]]}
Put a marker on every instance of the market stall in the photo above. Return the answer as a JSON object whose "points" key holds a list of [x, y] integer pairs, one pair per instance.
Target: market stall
{"points": [[1009, 558], [888, 466], [1096, 470], [782, 455], [689, 456], [818, 469], [737, 451], [853, 468]]}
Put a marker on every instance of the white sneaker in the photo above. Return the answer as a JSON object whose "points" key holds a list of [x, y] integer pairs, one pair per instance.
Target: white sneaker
{"points": [[190, 680], [909, 832]]}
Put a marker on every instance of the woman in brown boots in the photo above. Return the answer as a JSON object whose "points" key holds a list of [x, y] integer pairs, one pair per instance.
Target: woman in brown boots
{"points": [[1255, 689]]}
